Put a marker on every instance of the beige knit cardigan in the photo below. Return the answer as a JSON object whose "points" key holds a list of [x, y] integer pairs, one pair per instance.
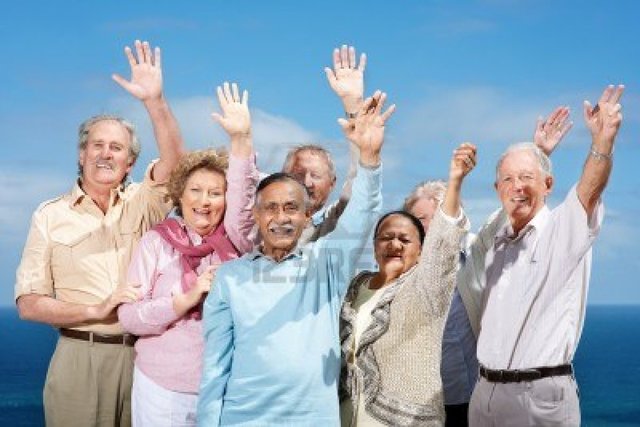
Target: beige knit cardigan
{"points": [[398, 356]]}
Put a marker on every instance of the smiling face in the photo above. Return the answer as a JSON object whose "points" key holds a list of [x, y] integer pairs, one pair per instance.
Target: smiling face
{"points": [[312, 170], [203, 200], [397, 246], [522, 187], [105, 160], [281, 216]]}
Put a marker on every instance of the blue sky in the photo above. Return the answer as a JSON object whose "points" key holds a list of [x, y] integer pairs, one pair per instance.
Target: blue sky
{"points": [[479, 71]]}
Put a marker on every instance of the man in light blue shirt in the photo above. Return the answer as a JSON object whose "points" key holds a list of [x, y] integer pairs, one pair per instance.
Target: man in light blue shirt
{"points": [[272, 353]]}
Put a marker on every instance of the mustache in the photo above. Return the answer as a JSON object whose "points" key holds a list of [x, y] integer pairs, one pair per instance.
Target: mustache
{"points": [[282, 228]]}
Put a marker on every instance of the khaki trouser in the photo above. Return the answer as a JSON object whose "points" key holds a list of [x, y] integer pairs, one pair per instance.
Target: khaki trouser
{"points": [[551, 401], [89, 385]]}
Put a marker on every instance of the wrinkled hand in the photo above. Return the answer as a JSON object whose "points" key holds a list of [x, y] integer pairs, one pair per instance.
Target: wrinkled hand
{"points": [[123, 294], [550, 132], [235, 118], [146, 72], [204, 281], [366, 131], [347, 77], [462, 162], [605, 119]]}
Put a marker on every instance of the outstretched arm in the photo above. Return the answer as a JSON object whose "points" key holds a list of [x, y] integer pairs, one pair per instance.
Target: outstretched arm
{"points": [[146, 85], [550, 131], [242, 175], [462, 162], [604, 125]]}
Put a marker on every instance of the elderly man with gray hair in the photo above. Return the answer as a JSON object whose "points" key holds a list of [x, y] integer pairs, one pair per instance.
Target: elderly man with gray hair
{"points": [[73, 270], [532, 275]]}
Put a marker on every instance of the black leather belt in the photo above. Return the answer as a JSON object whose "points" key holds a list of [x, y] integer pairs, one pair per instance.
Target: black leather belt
{"points": [[519, 375], [124, 339]]}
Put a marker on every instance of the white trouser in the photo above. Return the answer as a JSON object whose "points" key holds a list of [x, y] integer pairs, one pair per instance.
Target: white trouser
{"points": [[551, 401], [155, 406]]}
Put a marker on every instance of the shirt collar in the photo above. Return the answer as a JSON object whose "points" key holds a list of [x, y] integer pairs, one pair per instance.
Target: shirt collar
{"points": [[78, 194], [318, 217], [505, 234], [257, 253]]}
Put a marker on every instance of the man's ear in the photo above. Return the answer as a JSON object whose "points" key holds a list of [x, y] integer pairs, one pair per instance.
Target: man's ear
{"points": [[548, 182]]}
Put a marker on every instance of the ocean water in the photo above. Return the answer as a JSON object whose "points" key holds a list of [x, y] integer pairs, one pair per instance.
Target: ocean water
{"points": [[607, 367]]}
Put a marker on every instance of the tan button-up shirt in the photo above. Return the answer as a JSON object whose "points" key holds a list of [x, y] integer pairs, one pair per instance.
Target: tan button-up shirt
{"points": [[78, 254]]}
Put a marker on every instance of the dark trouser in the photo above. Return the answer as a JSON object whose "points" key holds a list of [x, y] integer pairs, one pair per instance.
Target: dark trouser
{"points": [[89, 385], [456, 415]]}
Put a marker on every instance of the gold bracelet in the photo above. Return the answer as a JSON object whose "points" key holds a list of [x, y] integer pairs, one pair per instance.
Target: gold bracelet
{"points": [[600, 156]]}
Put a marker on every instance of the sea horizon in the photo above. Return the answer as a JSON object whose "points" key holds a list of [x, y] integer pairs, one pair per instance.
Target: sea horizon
{"points": [[607, 372]]}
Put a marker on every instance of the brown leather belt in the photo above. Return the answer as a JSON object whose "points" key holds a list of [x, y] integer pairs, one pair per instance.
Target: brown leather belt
{"points": [[520, 375], [124, 339]]}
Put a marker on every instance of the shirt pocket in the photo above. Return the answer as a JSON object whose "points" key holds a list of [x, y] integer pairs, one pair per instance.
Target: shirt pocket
{"points": [[68, 251]]}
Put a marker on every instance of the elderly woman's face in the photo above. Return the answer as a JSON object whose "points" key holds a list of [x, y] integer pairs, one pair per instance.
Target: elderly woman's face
{"points": [[397, 245], [424, 209], [203, 200]]}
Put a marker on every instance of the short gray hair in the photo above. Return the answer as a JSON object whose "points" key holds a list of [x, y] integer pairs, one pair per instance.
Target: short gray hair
{"points": [[543, 160], [434, 189], [312, 148], [85, 128]]}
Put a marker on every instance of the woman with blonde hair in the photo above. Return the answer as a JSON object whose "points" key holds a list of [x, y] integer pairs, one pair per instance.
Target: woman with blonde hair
{"points": [[174, 264]]}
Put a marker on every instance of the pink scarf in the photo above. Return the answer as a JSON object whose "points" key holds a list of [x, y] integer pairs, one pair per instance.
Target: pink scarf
{"points": [[190, 256]]}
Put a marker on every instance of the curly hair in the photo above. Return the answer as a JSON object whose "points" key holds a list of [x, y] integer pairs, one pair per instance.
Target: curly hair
{"points": [[211, 160]]}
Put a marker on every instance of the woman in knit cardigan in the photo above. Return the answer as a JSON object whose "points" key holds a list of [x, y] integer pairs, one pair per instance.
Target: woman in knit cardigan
{"points": [[392, 320]]}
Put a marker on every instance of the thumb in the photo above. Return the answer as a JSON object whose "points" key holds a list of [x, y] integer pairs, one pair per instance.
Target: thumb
{"points": [[344, 124], [122, 81], [331, 77], [217, 118]]}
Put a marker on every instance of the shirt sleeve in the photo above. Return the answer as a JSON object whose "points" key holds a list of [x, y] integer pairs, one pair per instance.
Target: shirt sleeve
{"points": [[471, 275], [156, 197], [574, 231], [346, 243], [34, 272], [242, 180], [218, 354], [150, 315], [436, 272]]}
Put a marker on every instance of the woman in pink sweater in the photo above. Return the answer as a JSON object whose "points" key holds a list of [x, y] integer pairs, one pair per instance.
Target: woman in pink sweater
{"points": [[174, 264]]}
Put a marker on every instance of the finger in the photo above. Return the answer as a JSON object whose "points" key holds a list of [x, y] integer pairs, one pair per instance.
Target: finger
{"points": [[617, 94], [344, 124], [158, 57], [130, 57], [363, 62], [336, 59], [344, 56], [331, 77], [245, 97], [587, 111], [122, 81], [565, 129], [374, 102], [539, 124], [221, 99], [606, 94], [236, 94], [366, 105], [385, 116], [227, 92], [352, 57], [139, 53], [217, 118], [380, 104], [147, 53]]}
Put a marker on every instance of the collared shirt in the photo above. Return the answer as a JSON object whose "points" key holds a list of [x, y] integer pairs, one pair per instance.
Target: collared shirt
{"points": [[272, 354], [78, 254], [169, 350], [536, 287]]}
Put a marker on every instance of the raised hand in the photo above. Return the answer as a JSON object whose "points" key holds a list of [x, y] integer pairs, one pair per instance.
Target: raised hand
{"points": [[550, 132], [146, 72], [235, 118], [347, 77], [366, 131], [462, 162], [604, 120]]}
